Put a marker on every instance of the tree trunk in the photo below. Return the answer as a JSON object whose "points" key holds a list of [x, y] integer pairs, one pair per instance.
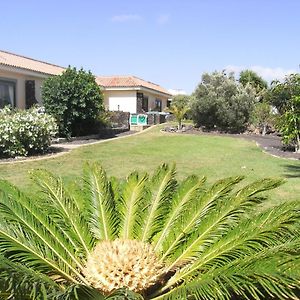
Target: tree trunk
{"points": [[264, 131], [179, 124], [297, 146]]}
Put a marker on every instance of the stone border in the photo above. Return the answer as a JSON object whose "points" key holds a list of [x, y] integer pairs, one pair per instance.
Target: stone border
{"points": [[264, 150]]}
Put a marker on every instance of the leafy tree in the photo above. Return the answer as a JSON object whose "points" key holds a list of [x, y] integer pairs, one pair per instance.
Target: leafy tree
{"points": [[181, 100], [179, 108], [146, 238], [263, 116], [289, 123], [285, 97], [250, 77], [219, 101], [281, 93], [74, 99]]}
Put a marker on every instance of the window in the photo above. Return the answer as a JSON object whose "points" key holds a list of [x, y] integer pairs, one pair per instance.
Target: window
{"points": [[158, 104], [145, 103], [30, 99], [142, 103], [7, 93]]}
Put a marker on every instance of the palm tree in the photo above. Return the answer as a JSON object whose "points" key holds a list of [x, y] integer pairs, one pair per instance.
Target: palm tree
{"points": [[179, 113], [179, 108], [148, 237]]}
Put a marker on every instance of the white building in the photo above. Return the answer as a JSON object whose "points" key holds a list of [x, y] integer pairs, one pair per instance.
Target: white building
{"points": [[21, 79]]}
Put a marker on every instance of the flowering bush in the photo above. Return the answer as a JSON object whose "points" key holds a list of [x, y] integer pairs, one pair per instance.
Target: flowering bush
{"points": [[24, 132]]}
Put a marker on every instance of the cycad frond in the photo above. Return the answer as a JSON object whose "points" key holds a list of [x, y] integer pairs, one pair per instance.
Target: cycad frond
{"points": [[64, 210], [267, 230], [102, 211], [252, 277], [187, 193], [28, 229], [21, 283], [161, 190], [191, 219], [131, 205], [219, 221], [78, 292]]}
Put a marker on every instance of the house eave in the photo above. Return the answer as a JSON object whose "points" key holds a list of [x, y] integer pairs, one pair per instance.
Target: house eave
{"points": [[135, 88], [156, 92], [24, 71]]}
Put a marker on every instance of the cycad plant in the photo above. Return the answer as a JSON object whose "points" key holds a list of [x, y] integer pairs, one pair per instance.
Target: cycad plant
{"points": [[179, 110], [147, 237]]}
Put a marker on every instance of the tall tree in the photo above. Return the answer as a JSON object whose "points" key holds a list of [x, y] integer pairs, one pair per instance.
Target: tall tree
{"points": [[181, 100], [289, 123], [281, 93], [285, 97], [263, 116], [250, 77], [219, 101]]}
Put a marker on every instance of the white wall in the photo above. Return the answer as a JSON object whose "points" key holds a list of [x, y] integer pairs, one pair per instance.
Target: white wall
{"points": [[120, 100], [20, 85], [125, 100], [153, 97]]}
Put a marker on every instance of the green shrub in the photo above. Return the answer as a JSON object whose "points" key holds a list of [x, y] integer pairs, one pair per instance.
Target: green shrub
{"points": [[75, 100], [24, 132], [220, 102]]}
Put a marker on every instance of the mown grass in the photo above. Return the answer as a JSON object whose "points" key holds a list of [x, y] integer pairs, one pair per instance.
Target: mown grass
{"points": [[211, 156]]}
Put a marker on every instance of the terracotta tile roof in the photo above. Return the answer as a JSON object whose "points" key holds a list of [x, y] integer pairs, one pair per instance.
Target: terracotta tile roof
{"points": [[23, 62], [19, 61], [128, 81]]}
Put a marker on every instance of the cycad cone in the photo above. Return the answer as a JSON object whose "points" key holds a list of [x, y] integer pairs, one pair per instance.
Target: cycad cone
{"points": [[127, 264]]}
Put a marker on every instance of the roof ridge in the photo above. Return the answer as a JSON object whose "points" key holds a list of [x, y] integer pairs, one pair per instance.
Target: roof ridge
{"points": [[23, 56], [145, 80], [107, 76], [130, 81]]}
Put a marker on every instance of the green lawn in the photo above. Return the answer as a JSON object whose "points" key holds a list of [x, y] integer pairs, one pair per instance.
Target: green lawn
{"points": [[212, 156]]}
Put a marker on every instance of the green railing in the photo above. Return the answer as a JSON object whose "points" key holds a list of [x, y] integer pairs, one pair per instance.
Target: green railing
{"points": [[138, 119]]}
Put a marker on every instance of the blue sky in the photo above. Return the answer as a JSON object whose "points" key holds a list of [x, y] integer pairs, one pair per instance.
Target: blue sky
{"points": [[167, 42]]}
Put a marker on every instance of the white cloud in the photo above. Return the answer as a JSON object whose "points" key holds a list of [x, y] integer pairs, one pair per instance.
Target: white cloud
{"points": [[126, 18], [175, 92], [163, 19], [268, 74]]}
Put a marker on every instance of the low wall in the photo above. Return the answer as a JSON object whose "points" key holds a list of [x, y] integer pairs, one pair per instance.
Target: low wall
{"points": [[154, 119], [119, 119]]}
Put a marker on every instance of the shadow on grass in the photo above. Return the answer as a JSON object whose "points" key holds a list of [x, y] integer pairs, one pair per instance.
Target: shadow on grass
{"points": [[292, 171]]}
